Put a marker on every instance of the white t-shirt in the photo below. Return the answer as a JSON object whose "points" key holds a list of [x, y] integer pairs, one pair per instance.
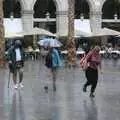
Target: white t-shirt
{"points": [[18, 54]]}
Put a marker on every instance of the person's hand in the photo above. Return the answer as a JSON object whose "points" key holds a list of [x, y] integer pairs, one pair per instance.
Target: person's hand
{"points": [[10, 62], [101, 71]]}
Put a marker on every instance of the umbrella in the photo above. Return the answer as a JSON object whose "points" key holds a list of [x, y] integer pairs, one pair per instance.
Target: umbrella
{"points": [[50, 42], [101, 32], [106, 32], [39, 31]]}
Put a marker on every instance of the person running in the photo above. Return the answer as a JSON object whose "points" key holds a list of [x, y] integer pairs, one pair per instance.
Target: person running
{"points": [[91, 73], [16, 62]]}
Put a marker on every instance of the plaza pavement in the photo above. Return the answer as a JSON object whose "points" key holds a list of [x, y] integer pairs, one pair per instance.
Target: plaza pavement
{"points": [[68, 102]]}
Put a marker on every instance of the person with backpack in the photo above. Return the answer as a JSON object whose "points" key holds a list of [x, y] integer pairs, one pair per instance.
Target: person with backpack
{"points": [[91, 71], [16, 62], [53, 62]]}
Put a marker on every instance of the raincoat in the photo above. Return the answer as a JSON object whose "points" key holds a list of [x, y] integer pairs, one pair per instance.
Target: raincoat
{"points": [[56, 59]]}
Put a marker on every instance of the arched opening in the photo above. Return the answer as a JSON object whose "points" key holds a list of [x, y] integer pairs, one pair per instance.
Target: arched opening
{"points": [[110, 16], [111, 12], [45, 10], [110, 8], [81, 8], [12, 6]]}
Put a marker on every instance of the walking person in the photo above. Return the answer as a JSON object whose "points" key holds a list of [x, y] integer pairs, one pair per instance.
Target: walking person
{"points": [[53, 61], [94, 60], [16, 62]]}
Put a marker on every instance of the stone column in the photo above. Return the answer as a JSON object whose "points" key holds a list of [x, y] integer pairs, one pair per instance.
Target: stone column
{"points": [[27, 19], [2, 40], [62, 23], [95, 20]]}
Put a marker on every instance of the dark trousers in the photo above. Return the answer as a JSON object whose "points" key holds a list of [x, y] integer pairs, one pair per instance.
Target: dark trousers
{"points": [[92, 78]]}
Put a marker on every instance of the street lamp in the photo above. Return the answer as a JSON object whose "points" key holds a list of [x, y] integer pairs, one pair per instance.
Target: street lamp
{"points": [[47, 16], [81, 16], [115, 16], [47, 19], [82, 10], [11, 16], [12, 13]]}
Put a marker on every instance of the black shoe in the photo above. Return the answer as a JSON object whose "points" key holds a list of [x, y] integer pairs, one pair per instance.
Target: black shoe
{"points": [[46, 88], [84, 89], [92, 95], [54, 88]]}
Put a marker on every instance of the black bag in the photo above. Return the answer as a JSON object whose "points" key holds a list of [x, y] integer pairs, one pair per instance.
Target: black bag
{"points": [[48, 61]]}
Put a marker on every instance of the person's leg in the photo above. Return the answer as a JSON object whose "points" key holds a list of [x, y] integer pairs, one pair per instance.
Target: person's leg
{"points": [[15, 79], [93, 87], [85, 86], [54, 74], [94, 82], [20, 77], [88, 77]]}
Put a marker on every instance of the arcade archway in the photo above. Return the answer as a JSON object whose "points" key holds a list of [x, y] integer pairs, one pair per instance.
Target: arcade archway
{"points": [[82, 8], [45, 12], [111, 13], [110, 8], [12, 7]]}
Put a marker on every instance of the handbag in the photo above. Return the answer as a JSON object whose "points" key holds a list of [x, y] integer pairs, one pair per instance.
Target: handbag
{"points": [[48, 61], [84, 63]]}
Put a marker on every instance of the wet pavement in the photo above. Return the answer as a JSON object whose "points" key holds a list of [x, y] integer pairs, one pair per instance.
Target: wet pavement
{"points": [[68, 102]]}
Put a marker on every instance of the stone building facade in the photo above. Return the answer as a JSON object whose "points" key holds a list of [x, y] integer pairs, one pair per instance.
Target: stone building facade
{"points": [[62, 6], [62, 14]]}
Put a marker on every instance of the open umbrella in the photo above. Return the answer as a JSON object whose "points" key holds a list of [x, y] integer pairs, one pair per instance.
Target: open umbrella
{"points": [[39, 31], [50, 42]]}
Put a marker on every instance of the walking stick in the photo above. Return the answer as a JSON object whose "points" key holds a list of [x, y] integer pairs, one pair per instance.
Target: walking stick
{"points": [[9, 75], [9, 80]]}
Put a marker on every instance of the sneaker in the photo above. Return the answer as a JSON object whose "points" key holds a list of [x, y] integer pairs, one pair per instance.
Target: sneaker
{"points": [[46, 87], [21, 85], [16, 86]]}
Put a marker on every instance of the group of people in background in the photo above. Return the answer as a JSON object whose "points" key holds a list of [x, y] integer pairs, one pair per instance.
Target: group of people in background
{"points": [[53, 61]]}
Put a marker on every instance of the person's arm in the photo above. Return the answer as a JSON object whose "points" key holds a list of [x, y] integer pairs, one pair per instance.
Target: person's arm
{"points": [[100, 66], [9, 56], [23, 54]]}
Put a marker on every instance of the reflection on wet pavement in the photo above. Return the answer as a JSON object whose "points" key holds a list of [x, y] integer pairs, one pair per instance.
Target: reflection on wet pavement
{"points": [[68, 102]]}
